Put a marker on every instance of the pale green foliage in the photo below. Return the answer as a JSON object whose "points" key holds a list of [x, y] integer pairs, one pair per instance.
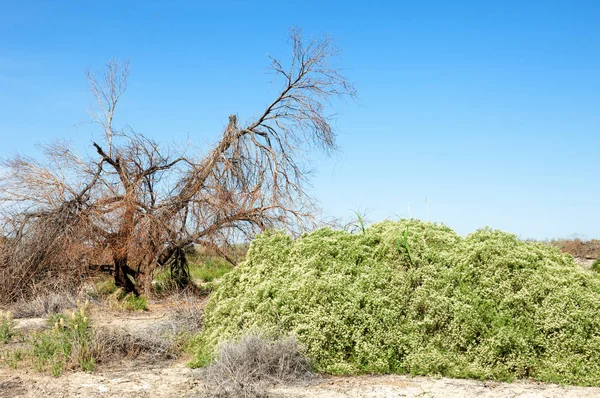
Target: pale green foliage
{"points": [[414, 297]]}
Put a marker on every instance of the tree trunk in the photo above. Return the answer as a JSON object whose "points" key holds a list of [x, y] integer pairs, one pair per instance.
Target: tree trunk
{"points": [[122, 273], [179, 268], [144, 277]]}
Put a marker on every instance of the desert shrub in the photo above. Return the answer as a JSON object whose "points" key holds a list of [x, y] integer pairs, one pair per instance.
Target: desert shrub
{"points": [[414, 297], [596, 266], [186, 318], [111, 345], [246, 367]]}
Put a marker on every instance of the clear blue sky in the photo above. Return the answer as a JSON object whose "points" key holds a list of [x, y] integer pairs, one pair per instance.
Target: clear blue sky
{"points": [[491, 109]]}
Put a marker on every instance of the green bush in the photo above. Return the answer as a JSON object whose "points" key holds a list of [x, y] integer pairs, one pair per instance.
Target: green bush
{"points": [[596, 266], [414, 297]]}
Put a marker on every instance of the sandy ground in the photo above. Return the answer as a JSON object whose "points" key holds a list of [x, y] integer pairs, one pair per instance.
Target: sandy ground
{"points": [[134, 322], [131, 380], [176, 380]]}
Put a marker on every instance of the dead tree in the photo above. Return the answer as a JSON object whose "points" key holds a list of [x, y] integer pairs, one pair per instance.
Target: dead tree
{"points": [[140, 204]]}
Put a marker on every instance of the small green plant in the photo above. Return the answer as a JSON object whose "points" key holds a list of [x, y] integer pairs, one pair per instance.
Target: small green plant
{"points": [[44, 348], [131, 302], [106, 287], [57, 368], [12, 358], [87, 364], [56, 318], [596, 266], [7, 327], [402, 243], [361, 222]]}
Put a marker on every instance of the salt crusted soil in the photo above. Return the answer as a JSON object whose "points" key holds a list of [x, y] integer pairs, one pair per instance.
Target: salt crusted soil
{"points": [[174, 379]]}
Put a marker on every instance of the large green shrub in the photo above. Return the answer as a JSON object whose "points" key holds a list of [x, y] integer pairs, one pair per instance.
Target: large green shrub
{"points": [[414, 297]]}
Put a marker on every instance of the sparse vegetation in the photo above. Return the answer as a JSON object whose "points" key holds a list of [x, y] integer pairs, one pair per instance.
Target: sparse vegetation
{"points": [[209, 270], [120, 300], [205, 268], [12, 358], [201, 270], [414, 297], [68, 344]]}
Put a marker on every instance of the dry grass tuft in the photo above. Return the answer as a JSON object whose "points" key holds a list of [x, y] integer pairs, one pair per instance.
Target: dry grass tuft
{"points": [[113, 345], [44, 304], [246, 368], [187, 318]]}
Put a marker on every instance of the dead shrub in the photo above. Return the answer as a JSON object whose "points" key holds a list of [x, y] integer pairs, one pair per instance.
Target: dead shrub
{"points": [[185, 322], [246, 368], [39, 254], [44, 304], [111, 345], [187, 318]]}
